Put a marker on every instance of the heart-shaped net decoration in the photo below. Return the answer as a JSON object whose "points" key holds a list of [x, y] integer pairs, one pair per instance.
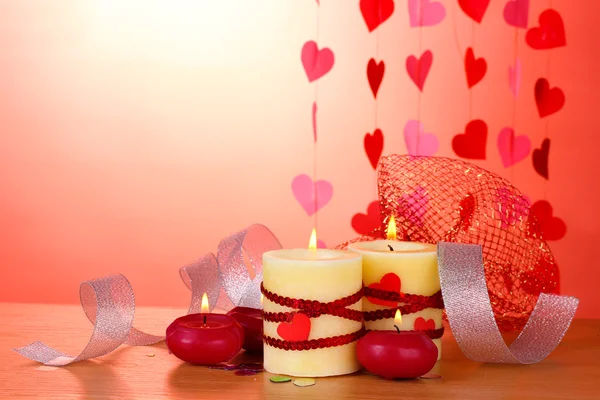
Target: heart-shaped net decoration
{"points": [[437, 199]]}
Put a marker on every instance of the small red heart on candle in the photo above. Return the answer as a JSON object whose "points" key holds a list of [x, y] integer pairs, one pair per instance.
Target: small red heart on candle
{"points": [[422, 325], [296, 330], [389, 282]]}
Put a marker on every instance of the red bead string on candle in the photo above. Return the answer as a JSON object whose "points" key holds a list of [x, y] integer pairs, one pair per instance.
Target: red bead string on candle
{"points": [[313, 309]]}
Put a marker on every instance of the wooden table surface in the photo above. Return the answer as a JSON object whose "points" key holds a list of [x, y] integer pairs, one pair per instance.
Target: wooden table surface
{"points": [[572, 371]]}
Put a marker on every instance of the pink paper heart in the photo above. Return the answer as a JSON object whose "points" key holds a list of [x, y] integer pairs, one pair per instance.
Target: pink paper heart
{"points": [[516, 13], [321, 244], [314, 121], [316, 62], [512, 148], [514, 78], [414, 206], [312, 196], [425, 12], [418, 142]]}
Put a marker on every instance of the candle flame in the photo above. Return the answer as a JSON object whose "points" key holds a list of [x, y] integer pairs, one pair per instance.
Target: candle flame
{"points": [[312, 243], [204, 308], [391, 228], [398, 318]]}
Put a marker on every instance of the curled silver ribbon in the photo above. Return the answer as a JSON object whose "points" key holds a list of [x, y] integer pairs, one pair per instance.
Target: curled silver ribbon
{"points": [[472, 320], [109, 302]]}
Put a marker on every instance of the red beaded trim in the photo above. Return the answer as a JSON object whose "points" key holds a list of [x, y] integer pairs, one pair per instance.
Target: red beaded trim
{"points": [[313, 308], [413, 303], [432, 333], [314, 343]]}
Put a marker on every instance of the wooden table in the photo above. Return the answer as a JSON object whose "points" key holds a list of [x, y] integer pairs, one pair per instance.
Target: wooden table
{"points": [[572, 371]]}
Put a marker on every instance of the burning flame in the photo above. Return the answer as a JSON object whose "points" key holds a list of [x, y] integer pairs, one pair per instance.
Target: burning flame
{"points": [[391, 228], [312, 243], [398, 318], [204, 308]]}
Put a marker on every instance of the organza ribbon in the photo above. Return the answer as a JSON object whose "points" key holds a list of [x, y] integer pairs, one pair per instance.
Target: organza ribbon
{"points": [[472, 320], [109, 302]]}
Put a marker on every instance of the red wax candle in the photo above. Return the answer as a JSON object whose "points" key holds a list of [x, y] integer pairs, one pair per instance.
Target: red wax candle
{"points": [[397, 354], [205, 338], [251, 320]]}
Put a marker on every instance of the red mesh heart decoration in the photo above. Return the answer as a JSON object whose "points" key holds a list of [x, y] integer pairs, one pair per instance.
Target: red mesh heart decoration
{"points": [[464, 206]]}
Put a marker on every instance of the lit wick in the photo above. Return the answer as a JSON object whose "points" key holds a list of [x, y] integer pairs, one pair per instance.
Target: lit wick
{"points": [[391, 248], [205, 322], [397, 329], [397, 320]]}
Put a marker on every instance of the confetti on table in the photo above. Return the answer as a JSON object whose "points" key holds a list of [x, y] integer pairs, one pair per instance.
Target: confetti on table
{"points": [[280, 379], [251, 366], [430, 375], [224, 366], [150, 355], [245, 372], [303, 382]]}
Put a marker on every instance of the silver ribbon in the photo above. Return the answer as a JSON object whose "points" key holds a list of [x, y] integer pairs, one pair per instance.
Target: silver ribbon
{"points": [[109, 302], [472, 320]]}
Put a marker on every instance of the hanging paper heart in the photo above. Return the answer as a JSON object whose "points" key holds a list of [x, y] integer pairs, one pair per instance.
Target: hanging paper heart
{"points": [[475, 9], [375, 73], [548, 100], [364, 224], [376, 12], [316, 62], [550, 33], [312, 196], [314, 121], [418, 142], [389, 282], [321, 244], [514, 78], [471, 144], [422, 325], [425, 12], [296, 330], [512, 149], [474, 67], [516, 13], [553, 228], [413, 206], [374, 146], [540, 158], [418, 68]]}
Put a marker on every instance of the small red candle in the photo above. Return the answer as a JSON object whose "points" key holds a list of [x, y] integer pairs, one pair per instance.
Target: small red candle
{"points": [[205, 338], [251, 320], [397, 354]]}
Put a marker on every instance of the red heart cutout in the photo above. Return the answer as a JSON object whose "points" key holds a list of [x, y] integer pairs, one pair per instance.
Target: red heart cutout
{"points": [[364, 224], [422, 325], [374, 146], [550, 33], [376, 12], [553, 228], [540, 158], [375, 73], [389, 282], [548, 100], [474, 8], [471, 144], [418, 68], [474, 67], [296, 330]]}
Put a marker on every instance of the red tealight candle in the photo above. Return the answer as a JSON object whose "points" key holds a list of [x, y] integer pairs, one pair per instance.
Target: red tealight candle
{"points": [[205, 338], [397, 354], [251, 320]]}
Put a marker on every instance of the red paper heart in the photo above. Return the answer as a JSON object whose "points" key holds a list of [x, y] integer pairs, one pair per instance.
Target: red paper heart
{"points": [[553, 228], [422, 325], [475, 9], [375, 73], [550, 33], [295, 330], [389, 282], [374, 146], [540, 158], [471, 144], [376, 12], [474, 67], [418, 68], [364, 224], [548, 100]]}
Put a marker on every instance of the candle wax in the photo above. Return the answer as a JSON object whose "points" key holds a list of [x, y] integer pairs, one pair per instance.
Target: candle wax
{"points": [[251, 320]]}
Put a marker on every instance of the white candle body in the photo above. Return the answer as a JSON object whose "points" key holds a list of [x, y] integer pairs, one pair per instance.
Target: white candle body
{"points": [[322, 275], [416, 266]]}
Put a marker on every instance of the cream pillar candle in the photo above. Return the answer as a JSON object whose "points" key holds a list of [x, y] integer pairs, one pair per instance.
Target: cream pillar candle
{"points": [[321, 275], [416, 266]]}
